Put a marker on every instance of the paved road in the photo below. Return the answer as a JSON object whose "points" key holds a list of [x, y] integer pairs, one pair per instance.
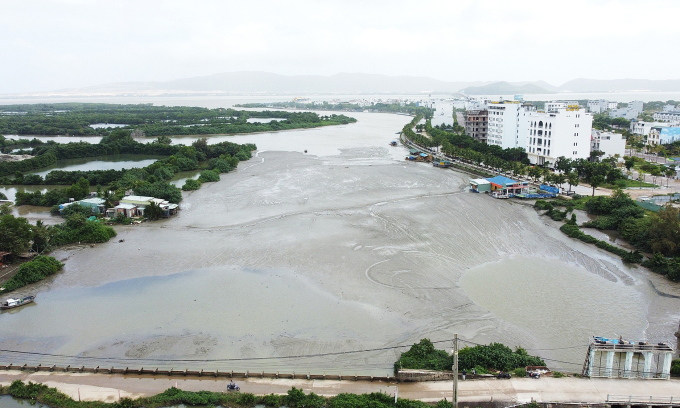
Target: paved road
{"points": [[106, 387]]}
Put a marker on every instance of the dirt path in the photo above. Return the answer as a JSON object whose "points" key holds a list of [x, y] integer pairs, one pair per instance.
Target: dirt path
{"points": [[110, 387]]}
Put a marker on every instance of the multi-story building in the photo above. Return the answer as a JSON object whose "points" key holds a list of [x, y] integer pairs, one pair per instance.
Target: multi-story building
{"points": [[477, 124], [601, 105], [563, 132], [631, 112], [668, 116], [507, 123], [609, 143], [642, 128], [555, 105]]}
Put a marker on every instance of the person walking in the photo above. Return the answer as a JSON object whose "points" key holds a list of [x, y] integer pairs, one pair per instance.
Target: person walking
{"points": [[464, 372]]}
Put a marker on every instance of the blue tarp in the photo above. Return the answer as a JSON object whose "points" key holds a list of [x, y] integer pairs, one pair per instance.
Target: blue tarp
{"points": [[501, 180], [423, 155], [550, 189]]}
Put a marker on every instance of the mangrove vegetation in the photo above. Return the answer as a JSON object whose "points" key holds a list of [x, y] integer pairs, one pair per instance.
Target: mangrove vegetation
{"points": [[76, 119]]}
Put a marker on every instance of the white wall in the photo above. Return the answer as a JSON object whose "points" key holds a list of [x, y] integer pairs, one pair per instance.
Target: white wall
{"points": [[566, 132]]}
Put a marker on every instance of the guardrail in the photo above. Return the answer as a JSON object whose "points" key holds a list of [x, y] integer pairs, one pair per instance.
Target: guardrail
{"points": [[636, 399], [193, 373]]}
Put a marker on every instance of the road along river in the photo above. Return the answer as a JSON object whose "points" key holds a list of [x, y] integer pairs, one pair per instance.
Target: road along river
{"points": [[345, 248]]}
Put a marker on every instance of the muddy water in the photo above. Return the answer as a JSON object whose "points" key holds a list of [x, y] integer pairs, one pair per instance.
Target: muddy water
{"points": [[116, 162], [345, 248]]}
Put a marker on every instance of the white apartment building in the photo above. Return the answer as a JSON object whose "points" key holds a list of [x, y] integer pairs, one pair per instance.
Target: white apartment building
{"points": [[556, 105], [601, 105], [609, 143], [564, 132], [667, 116], [642, 128], [507, 124]]}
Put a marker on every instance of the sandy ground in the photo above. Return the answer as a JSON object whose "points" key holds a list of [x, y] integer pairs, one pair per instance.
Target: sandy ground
{"points": [[110, 388]]}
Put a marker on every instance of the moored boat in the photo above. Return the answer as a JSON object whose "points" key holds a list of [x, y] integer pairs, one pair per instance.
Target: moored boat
{"points": [[15, 302]]}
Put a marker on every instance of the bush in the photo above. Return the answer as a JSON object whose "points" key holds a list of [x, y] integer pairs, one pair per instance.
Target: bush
{"points": [[519, 372], [423, 355], [558, 374], [675, 368], [33, 271], [573, 231], [76, 208], [78, 229], [496, 356], [191, 184], [247, 399], [208, 176]]}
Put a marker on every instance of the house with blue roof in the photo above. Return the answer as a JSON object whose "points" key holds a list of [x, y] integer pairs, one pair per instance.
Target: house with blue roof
{"points": [[506, 186]]}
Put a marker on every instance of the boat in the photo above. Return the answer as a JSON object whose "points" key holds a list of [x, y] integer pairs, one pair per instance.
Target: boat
{"points": [[393, 143], [14, 302]]}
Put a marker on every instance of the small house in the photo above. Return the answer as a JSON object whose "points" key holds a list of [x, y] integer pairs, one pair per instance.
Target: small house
{"points": [[480, 185]]}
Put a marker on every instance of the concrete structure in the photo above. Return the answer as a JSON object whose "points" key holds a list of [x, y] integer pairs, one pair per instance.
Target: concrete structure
{"points": [[631, 112], [557, 105], [642, 128], [668, 116], [625, 359], [480, 185], [609, 143], [504, 186], [507, 124], [565, 132], [134, 206], [96, 205], [601, 105], [476, 124]]}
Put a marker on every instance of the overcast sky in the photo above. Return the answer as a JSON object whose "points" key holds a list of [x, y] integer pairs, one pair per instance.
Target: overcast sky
{"points": [[49, 45]]}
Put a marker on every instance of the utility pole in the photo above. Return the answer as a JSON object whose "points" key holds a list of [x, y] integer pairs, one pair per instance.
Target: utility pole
{"points": [[454, 399]]}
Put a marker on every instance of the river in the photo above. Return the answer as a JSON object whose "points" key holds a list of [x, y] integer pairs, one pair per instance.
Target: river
{"points": [[347, 247]]}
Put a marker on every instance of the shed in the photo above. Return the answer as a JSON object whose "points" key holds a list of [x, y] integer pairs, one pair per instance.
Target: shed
{"points": [[480, 185], [129, 210], [97, 205], [138, 200]]}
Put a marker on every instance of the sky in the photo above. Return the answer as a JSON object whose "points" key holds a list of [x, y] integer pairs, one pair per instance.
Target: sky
{"points": [[59, 44]]}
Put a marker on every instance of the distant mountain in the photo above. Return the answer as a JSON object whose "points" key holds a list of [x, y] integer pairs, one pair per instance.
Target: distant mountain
{"points": [[269, 83], [507, 88], [620, 85], [256, 82]]}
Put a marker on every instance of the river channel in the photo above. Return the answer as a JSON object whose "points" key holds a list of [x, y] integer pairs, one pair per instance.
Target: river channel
{"points": [[347, 247]]}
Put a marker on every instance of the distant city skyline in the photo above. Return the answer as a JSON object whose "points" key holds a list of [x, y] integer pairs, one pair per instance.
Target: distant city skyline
{"points": [[51, 45]]}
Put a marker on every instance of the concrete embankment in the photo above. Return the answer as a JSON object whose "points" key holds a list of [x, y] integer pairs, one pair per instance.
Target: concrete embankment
{"points": [[500, 392]]}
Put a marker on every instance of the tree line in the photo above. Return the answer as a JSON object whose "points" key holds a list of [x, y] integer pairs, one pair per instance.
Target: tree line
{"points": [[152, 180], [75, 119]]}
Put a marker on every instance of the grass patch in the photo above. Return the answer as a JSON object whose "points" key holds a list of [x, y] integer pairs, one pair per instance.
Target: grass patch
{"points": [[627, 183]]}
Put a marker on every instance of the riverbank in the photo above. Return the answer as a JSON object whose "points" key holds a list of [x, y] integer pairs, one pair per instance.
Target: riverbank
{"points": [[350, 249], [109, 388]]}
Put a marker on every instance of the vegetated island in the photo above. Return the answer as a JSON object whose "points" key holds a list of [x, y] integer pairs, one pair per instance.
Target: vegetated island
{"points": [[90, 119], [407, 108]]}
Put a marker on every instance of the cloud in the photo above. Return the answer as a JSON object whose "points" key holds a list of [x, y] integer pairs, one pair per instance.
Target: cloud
{"points": [[71, 43]]}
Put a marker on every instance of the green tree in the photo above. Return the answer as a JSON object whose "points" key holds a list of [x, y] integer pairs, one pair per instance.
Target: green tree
{"points": [[596, 181], [15, 234], [573, 179], [664, 231], [153, 211]]}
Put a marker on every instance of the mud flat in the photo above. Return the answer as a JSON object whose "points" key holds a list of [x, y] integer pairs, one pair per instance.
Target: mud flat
{"points": [[296, 254]]}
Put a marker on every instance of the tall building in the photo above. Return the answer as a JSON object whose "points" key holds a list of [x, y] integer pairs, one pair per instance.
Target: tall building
{"points": [[506, 123], [476, 124], [562, 132]]}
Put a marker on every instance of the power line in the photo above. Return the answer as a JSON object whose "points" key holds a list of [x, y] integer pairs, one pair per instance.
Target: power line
{"points": [[337, 353]]}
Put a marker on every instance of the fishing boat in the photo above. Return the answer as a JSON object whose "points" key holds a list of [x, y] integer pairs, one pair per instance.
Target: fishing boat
{"points": [[14, 302]]}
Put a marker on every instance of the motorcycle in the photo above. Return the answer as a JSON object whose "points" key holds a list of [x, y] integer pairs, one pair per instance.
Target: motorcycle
{"points": [[503, 375], [233, 387]]}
